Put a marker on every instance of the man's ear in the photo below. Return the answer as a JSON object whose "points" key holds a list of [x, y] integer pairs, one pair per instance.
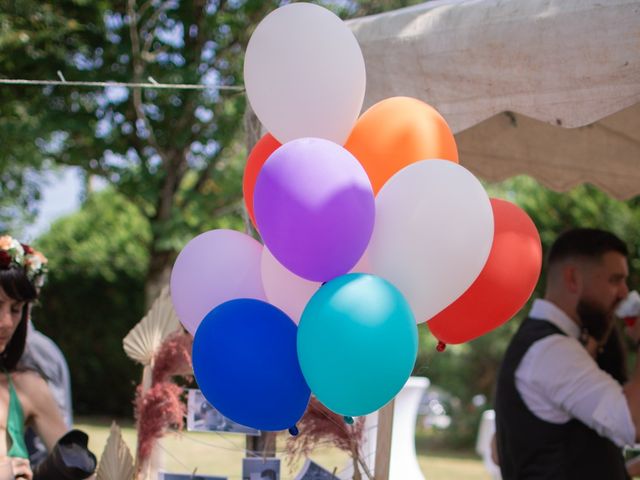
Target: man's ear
{"points": [[572, 277]]}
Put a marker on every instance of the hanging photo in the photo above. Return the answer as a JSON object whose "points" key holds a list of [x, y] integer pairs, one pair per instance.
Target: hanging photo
{"points": [[187, 476], [260, 469], [203, 417]]}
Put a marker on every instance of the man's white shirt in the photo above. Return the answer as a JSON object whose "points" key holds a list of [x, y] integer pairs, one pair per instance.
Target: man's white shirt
{"points": [[558, 380]]}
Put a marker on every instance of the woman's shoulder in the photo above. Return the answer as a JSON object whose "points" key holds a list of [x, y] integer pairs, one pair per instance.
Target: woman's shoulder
{"points": [[28, 381], [32, 391]]}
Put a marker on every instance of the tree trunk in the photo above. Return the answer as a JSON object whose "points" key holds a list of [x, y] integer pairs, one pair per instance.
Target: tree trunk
{"points": [[253, 131], [252, 126], [265, 444], [158, 274]]}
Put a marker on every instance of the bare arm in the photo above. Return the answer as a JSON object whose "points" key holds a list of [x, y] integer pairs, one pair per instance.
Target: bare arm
{"points": [[45, 415]]}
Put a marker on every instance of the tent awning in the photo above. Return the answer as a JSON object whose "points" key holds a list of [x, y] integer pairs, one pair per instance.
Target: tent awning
{"points": [[549, 88]]}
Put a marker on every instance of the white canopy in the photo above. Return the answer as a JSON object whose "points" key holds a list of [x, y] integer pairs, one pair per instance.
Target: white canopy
{"points": [[549, 88]]}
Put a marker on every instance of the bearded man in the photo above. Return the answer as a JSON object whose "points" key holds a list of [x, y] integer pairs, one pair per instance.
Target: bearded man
{"points": [[564, 404]]}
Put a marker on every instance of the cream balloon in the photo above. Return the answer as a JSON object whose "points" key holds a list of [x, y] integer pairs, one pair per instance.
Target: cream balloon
{"points": [[432, 235], [289, 292], [363, 265], [304, 73], [283, 288]]}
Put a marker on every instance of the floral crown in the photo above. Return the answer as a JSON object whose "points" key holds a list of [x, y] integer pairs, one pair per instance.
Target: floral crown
{"points": [[12, 252]]}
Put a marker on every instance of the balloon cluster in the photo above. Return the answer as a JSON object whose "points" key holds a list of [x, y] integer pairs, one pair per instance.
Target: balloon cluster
{"points": [[369, 225]]}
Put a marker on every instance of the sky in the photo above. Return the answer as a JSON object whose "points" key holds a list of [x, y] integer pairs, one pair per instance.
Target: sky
{"points": [[61, 196]]}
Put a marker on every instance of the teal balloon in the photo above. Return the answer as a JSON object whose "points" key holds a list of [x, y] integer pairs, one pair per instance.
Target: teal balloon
{"points": [[357, 343]]}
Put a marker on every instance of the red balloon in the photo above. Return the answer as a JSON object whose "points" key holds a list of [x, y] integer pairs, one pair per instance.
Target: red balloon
{"points": [[262, 150], [505, 283]]}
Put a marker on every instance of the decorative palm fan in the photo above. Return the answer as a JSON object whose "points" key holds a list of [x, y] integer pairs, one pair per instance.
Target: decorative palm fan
{"points": [[116, 462], [142, 342]]}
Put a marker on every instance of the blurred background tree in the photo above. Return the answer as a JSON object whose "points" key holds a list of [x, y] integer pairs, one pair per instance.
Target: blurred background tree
{"points": [[172, 161], [98, 259], [176, 155]]}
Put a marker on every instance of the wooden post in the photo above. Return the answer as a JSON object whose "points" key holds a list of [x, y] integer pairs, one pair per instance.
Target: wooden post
{"points": [[383, 441], [265, 444]]}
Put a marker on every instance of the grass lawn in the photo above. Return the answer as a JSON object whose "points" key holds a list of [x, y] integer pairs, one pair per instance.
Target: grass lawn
{"points": [[221, 454]]}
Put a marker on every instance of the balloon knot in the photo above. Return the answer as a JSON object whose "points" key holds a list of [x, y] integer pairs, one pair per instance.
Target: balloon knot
{"points": [[294, 431], [348, 420], [441, 346]]}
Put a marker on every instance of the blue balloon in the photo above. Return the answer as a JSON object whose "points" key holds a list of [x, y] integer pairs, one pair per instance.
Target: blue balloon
{"points": [[357, 343], [245, 363]]}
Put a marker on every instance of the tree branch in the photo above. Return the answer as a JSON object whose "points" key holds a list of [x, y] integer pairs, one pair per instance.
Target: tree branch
{"points": [[138, 72], [196, 46], [150, 23], [206, 173], [228, 207], [151, 56], [144, 8]]}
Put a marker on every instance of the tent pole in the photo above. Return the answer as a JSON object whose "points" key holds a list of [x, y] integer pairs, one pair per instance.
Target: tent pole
{"points": [[383, 441]]}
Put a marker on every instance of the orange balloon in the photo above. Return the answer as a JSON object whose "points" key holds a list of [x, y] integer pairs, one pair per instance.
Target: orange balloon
{"points": [[505, 283], [262, 150], [397, 132]]}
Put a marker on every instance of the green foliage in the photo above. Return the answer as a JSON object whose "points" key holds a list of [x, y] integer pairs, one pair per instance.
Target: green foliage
{"points": [[584, 206], [172, 153], [94, 295], [36, 40], [106, 237]]}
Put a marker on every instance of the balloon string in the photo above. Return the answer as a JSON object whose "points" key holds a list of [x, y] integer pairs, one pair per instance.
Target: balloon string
{"points": [[237, 448], [166, 450], [242, 450], [234, 448], [341, 425], [252, 453]]}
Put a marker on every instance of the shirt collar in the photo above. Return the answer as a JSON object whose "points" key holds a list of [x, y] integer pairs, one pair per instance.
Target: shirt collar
{"points": [[545, 310]]}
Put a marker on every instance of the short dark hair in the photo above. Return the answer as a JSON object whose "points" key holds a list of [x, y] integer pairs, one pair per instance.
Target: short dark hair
{"points": [[16, 284], [585, 242]]}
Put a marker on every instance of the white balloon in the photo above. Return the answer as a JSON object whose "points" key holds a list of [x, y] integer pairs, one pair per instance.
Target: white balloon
{"points": [[433, 233], [304, 74], [283, 288]]}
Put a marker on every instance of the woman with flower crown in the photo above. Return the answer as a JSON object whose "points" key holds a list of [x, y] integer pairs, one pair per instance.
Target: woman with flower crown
{"points": [[25, 398]]}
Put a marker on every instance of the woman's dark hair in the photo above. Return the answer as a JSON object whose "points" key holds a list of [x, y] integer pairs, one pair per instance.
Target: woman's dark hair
{"points": [[16, 285]]}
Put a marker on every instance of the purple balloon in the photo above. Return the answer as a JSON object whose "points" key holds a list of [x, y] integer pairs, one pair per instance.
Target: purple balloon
{"points": [[314, 207]]}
